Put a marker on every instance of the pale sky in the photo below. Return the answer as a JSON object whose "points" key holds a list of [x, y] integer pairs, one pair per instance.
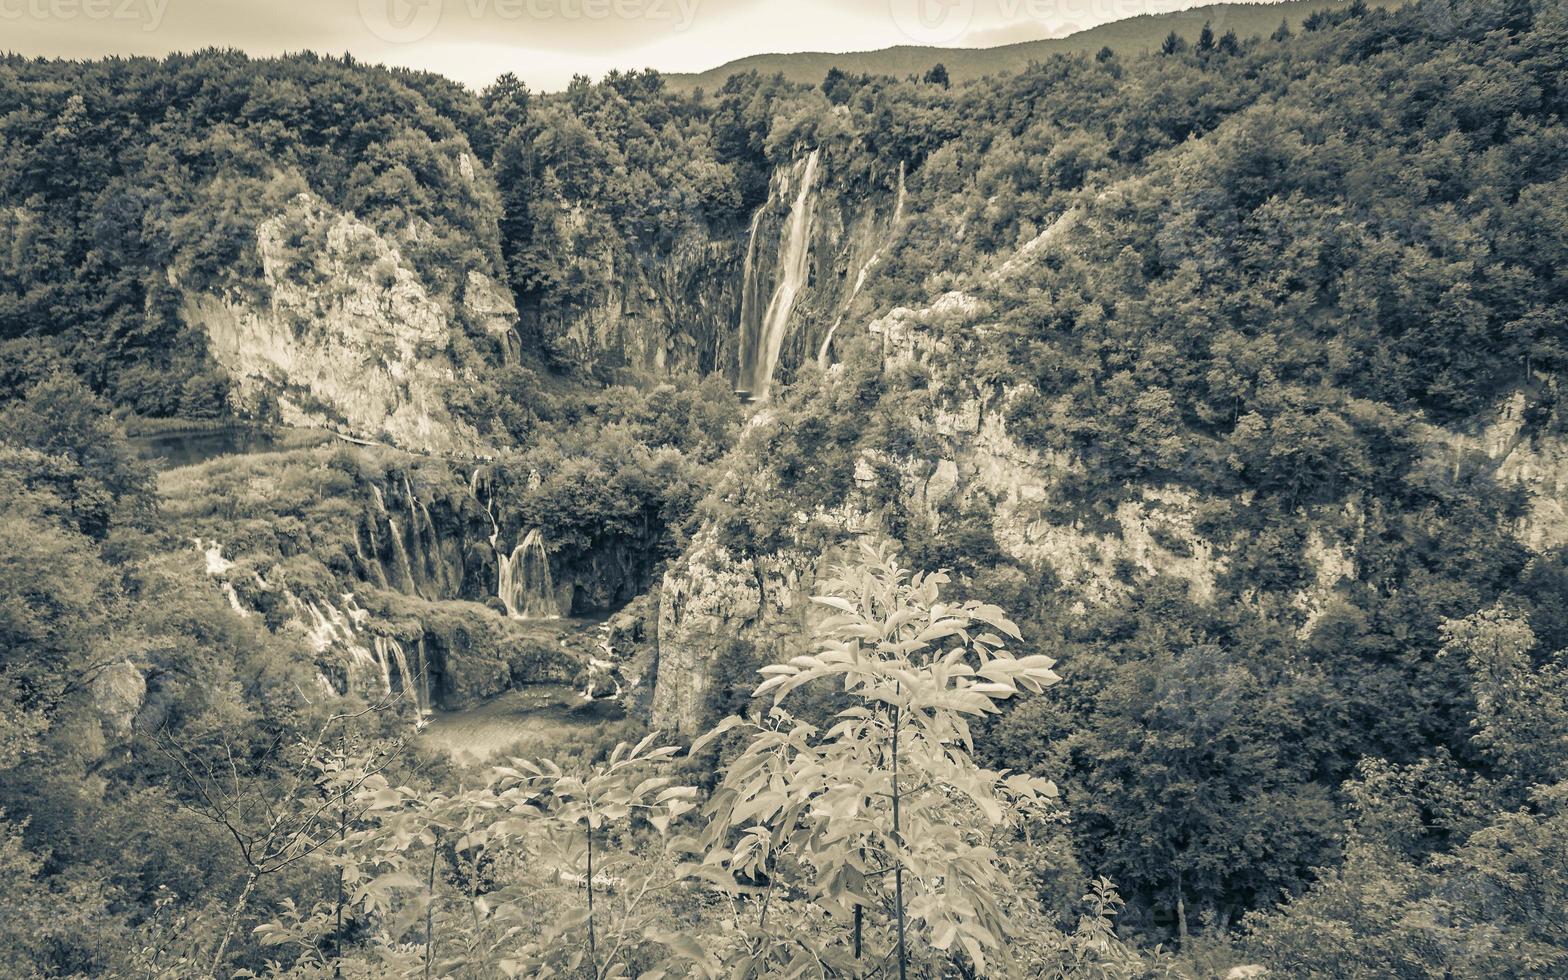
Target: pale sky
{"points": [[543, 42]]}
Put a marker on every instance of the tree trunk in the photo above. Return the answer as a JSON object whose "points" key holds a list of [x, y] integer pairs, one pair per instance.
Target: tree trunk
{"points": [[430, 907], [234, 920], [337, 934], [898, 842], [593, 944]]}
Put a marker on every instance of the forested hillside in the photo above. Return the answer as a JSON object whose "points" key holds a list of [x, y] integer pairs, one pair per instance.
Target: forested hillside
{"points": [[1231, 371]]}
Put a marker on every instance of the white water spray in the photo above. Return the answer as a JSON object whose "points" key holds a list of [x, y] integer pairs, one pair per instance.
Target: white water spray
{"points": [[526, 586]]}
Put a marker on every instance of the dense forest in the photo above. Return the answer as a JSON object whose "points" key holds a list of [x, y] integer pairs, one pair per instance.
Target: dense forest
{"points": [[1152, 561]]}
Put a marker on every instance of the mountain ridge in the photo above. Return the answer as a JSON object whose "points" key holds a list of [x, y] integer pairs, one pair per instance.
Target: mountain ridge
{"points": [[1127, 36]]}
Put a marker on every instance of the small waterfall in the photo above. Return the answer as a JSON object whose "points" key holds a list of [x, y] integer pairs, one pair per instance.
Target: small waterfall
{"points": [[479, 489], [871, 264], [526, 587], [405, 549], [384, 662], [411, 584], [422, 672], [425, 546], [750, 304], [403, 572], [400, 676], [372, 567], [213, 551], [760, 358]]}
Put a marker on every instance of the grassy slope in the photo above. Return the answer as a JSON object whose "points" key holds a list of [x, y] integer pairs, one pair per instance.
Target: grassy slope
{"points": [[1131, 36]]}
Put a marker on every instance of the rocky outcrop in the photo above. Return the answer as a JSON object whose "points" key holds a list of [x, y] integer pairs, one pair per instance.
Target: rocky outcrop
{"points": [[118, 694], [490, 306], [345, 336], [663, 311], [1524, 442], [715, 604]]}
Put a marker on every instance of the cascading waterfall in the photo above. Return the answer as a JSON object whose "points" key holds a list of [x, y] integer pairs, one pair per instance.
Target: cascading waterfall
{"points": [[410, 678], [404, 570], [339, 626], [526, 586], [871, 264], [762, 340], [425, 541], [417, 563]]}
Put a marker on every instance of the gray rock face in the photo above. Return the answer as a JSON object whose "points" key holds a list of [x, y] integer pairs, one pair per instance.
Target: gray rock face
{"points": [[712, 601], [490, 304], [118, 694], [348, 337], [1533, 456], [678, 308]]}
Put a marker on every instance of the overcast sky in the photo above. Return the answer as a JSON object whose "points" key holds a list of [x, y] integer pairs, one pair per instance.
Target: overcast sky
{"points": [[544, 42]]}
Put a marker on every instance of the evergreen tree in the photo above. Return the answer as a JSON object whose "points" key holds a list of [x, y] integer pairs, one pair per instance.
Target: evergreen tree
{"points": [[1206, 39]]}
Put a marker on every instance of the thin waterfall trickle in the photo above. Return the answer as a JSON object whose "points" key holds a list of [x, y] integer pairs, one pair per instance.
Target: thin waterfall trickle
{"points": [[372, 567], [526, 586], [481, 480], [760, 359], [750, 304], [384, 662], [865, 270], [423, 672], [406, 549], [403, 563]]}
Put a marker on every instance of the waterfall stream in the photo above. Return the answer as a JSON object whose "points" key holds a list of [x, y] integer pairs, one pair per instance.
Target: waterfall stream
{"points": [[762, 340], [406, 550], [526, 586], [750, 302], [411, 678]]}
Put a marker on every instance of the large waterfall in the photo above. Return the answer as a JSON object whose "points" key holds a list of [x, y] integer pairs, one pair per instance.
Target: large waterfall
{"points": [[526, 587], [762, 337]]}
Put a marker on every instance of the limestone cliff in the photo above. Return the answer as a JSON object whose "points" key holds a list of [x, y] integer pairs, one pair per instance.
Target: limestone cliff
{"points": [[344, 334], [714, 599]]}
